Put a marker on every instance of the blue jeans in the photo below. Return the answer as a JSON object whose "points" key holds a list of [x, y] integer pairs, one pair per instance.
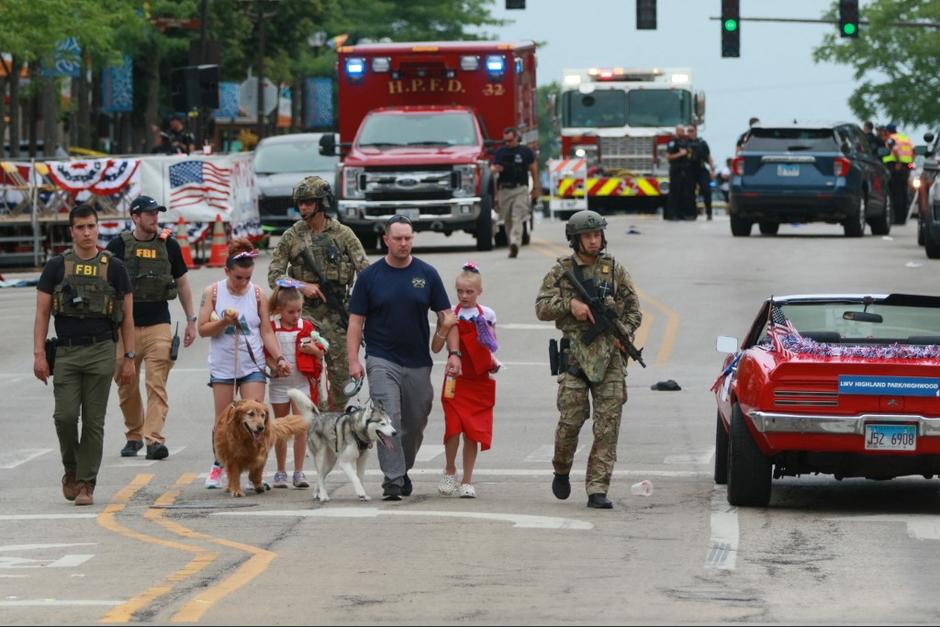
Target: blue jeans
{"points": [[254, 377]]}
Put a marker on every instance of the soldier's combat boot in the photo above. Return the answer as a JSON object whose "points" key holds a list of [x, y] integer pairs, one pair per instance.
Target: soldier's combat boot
{"points": [[599, 501], [561, 487]]}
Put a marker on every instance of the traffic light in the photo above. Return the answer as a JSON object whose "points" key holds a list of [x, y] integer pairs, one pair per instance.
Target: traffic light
{"points": [[646, 14], [848, 18], [730, 28], [515, 4]]}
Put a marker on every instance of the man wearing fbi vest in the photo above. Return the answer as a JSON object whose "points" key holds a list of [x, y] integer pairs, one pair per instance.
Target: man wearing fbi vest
{"points": [[89, 294], [157, 272]]}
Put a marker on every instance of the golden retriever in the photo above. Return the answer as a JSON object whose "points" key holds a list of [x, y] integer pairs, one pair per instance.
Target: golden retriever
{"points": [[244, 434]]}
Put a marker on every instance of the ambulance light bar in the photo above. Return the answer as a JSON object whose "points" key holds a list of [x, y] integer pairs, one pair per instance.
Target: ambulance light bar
{"points": [[381, 64], [495, 65], [355, 67], [469, 63]]}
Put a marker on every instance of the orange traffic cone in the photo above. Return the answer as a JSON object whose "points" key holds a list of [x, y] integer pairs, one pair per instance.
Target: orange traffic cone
{"points": [[182, 238], [219, 251]]}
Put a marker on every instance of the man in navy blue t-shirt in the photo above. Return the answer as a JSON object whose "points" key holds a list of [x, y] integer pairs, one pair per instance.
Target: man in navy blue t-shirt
{"points": [[389, 306]]}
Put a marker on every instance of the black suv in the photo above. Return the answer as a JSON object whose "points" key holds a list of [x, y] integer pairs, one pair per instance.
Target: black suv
{"points": [[809, 173]]}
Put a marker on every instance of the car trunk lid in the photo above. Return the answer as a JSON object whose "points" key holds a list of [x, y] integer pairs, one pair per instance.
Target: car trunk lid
{"points": [[854, 386]]}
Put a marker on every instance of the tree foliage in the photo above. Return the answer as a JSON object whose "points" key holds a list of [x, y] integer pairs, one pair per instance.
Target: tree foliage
{"points": [[109, 29], [898, 67], [545, 101]]}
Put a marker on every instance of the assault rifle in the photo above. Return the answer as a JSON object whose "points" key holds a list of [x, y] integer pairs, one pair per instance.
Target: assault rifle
{"points": [[605, 320], [332, 298]]}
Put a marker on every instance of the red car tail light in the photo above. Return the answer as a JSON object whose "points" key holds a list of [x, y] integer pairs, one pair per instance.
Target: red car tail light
{"points": [[841, 166], [737, 166]]}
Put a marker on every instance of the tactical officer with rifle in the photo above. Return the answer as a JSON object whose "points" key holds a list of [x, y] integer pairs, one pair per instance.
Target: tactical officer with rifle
{"points": [[325, 256], [592, 301]]}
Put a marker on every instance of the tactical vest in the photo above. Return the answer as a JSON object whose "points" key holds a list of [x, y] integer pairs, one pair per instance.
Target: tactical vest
{"points": [[148, 266], [599, 280], [332, 260], [85, 292]]}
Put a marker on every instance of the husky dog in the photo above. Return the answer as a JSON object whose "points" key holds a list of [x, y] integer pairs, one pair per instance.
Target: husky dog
{"points": [[343, 438]]}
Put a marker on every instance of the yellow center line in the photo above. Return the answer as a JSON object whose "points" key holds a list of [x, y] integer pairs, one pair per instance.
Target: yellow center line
{"points": [[125, 612], [643, 332], [258, 562], [550, 249], [672, 328]]}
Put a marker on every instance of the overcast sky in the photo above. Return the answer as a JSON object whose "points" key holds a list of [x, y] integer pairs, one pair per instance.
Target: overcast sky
{"points": [[774, 79]]}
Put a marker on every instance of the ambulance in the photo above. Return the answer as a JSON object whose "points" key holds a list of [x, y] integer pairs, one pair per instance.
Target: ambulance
{"points": [[418, 123]]}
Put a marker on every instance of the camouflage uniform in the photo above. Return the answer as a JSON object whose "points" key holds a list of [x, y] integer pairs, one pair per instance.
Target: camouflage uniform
{"points": [[340, 256], [601, 367]]}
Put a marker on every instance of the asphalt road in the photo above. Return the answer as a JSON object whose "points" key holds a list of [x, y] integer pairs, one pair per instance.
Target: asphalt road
{"points": [[158, 547]]}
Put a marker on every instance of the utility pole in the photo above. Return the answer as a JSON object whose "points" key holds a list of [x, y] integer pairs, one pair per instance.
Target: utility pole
{"points": [[260, 68], [203, 60]]}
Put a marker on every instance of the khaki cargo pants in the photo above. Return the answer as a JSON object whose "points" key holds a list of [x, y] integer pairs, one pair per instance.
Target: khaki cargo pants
{"points": [[514, 210], [153, 353]]}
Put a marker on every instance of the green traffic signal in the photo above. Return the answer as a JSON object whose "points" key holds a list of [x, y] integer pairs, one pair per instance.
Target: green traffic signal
{"points": [[849, 29], [731, 25]]}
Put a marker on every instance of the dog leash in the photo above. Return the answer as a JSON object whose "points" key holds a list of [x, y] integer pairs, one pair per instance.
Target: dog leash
{"points": [[251, 353]]}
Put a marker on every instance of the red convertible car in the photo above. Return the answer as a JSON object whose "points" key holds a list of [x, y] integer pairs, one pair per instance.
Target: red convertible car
{"points": [[846, 385]]}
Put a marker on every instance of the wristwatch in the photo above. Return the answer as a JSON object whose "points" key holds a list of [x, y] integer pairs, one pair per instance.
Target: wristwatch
{"points": [[457, 353], [130, 354], [192, 318]]}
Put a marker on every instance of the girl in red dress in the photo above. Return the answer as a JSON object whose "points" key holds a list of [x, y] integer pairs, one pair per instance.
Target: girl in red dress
{"points": [[468, 400]]}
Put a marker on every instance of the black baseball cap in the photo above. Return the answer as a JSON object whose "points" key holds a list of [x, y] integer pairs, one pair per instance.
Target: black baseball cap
{"points": [[146, 203]]}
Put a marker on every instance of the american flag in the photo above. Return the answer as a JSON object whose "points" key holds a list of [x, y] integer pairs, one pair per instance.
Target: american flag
{"points": [[778, 327], [195, 182]]}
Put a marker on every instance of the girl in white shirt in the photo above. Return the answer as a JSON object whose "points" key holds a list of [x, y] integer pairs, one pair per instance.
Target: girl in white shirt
{"points": [[230, 314]]}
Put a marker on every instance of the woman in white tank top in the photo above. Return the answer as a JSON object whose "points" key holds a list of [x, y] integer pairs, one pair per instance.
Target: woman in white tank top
{"points": [[237, 304]]}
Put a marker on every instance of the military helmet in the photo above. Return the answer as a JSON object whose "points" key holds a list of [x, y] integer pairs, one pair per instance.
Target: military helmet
{"points": [[584, 222], [314, 188]]}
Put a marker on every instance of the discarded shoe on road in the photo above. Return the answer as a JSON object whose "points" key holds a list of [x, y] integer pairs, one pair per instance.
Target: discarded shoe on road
{"points": [[666, 386]]}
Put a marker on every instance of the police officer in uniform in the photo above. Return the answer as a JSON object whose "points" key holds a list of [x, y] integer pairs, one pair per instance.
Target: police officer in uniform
{"points": [[898, 161], [89, 294], [157, 272], [677, 153], [701, 167], [337, 257], [598, 368], [513, 164]]}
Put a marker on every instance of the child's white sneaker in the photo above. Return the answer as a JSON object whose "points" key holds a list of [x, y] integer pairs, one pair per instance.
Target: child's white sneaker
{"points": [[280, 480], [448, 485], [216, 478], [466, 491]]}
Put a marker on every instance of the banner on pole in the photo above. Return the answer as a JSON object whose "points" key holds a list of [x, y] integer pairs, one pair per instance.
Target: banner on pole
{"points": [[318, 93]]}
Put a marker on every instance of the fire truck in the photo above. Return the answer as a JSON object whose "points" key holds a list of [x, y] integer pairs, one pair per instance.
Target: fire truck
{"points": [[615, 125], [417, 124]]}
